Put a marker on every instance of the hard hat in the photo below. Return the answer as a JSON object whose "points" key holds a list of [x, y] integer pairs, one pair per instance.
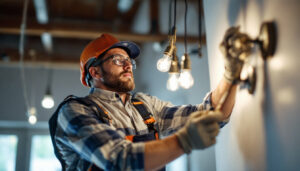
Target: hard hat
{"points": [[98, 47]]}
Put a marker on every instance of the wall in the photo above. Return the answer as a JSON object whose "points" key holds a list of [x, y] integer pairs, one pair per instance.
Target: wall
{"points": [[262, 133]]}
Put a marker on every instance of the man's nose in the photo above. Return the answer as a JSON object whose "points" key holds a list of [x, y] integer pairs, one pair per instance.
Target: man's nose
{"points": [[127, 65]]}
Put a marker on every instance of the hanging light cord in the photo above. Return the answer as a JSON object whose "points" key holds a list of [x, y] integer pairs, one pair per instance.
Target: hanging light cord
{"points": [[185, 16], [200, 27], [175, 6], [170, 17], [21, 52]]}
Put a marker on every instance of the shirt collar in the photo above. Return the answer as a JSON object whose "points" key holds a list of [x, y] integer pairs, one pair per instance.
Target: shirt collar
{"points": [[106, 94]]}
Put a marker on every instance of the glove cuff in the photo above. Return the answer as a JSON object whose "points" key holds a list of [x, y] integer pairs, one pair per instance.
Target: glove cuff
{"points": [[184, 141]]}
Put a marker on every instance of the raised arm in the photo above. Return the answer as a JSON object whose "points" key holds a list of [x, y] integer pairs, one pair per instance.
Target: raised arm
{"points": [[234, 57]]}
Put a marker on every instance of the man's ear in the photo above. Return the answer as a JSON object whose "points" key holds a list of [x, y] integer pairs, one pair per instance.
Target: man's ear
{"points": [[95, 72]]}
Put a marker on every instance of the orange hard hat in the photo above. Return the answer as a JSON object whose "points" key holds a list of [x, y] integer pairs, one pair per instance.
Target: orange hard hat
{"points": [[96, 48]]}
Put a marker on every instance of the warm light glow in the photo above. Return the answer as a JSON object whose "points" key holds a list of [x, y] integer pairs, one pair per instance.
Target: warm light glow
{"points": [[32, 119], [32, 115], [286, 96], [172, 83], [244, 73], [164, 63], [277, 64], [47, 102], [186, 79]]}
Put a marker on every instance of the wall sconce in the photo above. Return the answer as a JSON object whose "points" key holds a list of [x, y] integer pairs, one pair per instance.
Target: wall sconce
{"points": [[241, 44]]}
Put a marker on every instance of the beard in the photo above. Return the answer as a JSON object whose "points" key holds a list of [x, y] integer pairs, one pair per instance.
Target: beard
{"points": [[114, 82]]}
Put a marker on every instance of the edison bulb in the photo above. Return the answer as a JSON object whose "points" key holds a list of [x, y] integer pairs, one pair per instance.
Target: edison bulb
{"points": [[164, 63], [32, 115], [186, 79], [172, 83], [48, 102], [32, 119]]}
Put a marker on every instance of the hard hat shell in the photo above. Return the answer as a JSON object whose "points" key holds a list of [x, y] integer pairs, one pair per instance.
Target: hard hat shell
{"points": [[100, 46]]}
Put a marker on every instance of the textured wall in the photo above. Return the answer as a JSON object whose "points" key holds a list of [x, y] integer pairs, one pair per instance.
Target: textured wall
{"points": [[262, 134]]}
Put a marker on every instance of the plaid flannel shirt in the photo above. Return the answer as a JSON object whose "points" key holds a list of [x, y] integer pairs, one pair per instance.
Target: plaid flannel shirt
{"points": [[83, 139]]}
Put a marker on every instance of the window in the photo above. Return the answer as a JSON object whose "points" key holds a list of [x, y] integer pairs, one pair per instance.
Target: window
{"points": [[8, 146], [42, 154]]}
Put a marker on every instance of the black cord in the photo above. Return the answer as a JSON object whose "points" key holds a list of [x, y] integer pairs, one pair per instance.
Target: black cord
{"points": [[200, 27], [185, 16], [170, 17], [175, 6]]}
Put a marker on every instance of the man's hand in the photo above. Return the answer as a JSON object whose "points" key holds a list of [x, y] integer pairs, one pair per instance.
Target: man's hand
{"points": [[235, 47], [200, 131]]}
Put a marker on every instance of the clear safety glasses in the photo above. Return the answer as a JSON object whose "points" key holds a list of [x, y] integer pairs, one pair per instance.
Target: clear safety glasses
{"points": [[120, 60]]}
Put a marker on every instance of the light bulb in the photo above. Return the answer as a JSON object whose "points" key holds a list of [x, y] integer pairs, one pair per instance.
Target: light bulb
{"points": [[48, 101], [164, 63], [32, 119], [32, 115], [186, 79], [172, 83]]}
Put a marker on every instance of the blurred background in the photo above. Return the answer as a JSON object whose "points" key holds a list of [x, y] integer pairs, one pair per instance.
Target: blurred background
{"points": [[39, 57]]}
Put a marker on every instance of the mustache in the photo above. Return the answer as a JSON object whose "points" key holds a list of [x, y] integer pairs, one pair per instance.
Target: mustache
{"points": [[126, 72]]}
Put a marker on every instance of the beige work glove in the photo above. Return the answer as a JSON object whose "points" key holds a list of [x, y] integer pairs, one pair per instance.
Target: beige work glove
{"points": [[235, 47], [200, 130]]}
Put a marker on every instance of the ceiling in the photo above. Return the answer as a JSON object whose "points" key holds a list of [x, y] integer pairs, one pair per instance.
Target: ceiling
{"points": [[57, 30]]}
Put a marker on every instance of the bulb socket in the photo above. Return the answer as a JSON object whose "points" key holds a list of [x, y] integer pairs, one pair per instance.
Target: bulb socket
{"points": [[186, 62], [174, 64]]}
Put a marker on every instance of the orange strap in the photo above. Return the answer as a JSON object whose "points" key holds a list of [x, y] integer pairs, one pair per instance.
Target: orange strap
{"points": [[137, 103], [150, 120], [129, 137]]}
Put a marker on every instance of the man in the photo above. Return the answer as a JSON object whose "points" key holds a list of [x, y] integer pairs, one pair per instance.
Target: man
{"points": [[86, 142]]}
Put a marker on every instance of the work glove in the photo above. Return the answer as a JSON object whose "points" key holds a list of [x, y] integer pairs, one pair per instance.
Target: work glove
{"points": [[235, 47], [200, 130]]}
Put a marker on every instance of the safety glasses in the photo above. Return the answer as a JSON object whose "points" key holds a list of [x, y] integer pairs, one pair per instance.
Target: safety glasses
{"points": [[119, 60]]}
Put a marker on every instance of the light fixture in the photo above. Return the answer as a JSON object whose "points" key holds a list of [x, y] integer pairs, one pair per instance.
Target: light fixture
{"points": [[241, 45], [164, 63], [31, 113], [41, 11], [186, 79], [172, 83], [125, 5], [48, 101]]}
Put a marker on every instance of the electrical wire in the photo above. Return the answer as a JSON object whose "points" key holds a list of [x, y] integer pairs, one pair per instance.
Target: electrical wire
{"points": [[170, 17], [185, 25], [200, 28], [21, 53], [175, 9]]}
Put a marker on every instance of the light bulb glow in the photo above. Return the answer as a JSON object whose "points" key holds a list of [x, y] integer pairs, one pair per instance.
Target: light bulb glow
{"points": [[32, 115], [172, 83], [186, 79], [47, 102], [164, 63], [32, 119]]}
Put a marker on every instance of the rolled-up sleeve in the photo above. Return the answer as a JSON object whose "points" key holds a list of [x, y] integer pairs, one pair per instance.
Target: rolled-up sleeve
{"points": [[169, 117], [80, 129]]}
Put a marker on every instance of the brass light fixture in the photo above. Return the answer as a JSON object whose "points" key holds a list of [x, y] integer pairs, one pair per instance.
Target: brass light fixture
{"points": [[241, 44], [186, 79], [164, 63], [172, 83]]}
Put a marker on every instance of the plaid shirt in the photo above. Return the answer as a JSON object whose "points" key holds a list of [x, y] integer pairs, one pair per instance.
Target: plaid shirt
{"points": [[83, 139]]}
